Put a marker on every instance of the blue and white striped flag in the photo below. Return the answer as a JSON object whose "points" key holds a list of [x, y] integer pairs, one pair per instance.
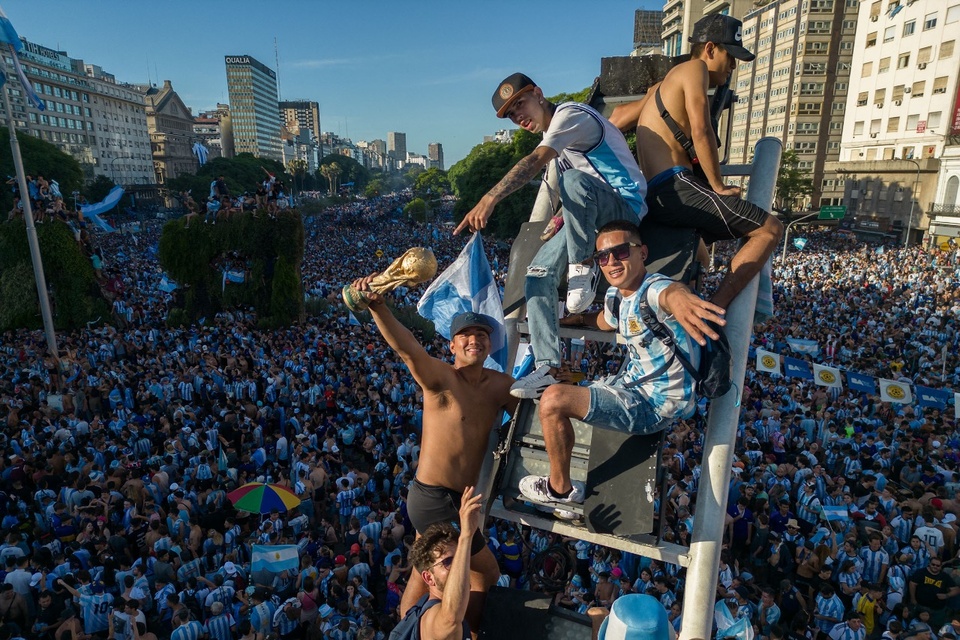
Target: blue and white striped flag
{"points": [[467, 285], [201, 152], [835, 514], [275, 557], [8, 36], [804, 346]]}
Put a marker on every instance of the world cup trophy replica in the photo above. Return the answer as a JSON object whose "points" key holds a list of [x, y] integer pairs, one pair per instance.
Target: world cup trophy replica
{"points": [[413, 267]]}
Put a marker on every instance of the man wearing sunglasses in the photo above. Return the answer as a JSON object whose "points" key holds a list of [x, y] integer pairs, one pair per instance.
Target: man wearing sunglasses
{"points": [[599, 182], [651, 389]]}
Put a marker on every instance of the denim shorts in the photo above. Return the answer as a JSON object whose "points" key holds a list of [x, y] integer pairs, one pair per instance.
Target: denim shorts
{"points": [[620, 409]]}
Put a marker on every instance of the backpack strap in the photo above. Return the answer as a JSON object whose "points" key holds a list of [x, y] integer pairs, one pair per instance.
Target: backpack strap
{"points": [[675, 129], [663, 335]]}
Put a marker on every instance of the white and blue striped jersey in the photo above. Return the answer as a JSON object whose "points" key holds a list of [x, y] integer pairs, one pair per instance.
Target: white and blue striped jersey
{"points": [[843, 631], [830, 607], [192, 630], [586, 141], [220, 627], [873, 563], [671, 393], [95, 609]]}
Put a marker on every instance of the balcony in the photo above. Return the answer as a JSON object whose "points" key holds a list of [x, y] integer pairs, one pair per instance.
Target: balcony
{"points": [[945, 209]]}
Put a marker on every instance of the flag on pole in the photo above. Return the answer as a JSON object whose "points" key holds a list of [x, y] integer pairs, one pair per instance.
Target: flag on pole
{"points": [[8, 36], [222, 462], [827, 376], [956, 406], [861, 382], [201, 152], [768, 361], [893, 391], [352, 320], [935, 398], [275, 557], [835, 514], [796, 368], [467, 285], [804, 346], [799, 243]]}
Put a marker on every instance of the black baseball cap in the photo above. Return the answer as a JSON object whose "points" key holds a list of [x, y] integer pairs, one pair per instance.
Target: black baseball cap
{"points": [[470, 319], [509, 90], [723, 30]]}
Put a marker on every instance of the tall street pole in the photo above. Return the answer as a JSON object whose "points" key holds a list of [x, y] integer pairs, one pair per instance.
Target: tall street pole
{"points": [[913, 201], [31, 229]]}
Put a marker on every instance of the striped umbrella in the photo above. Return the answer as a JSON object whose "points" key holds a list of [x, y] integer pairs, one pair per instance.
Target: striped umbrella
{"points": [[260, 497]]}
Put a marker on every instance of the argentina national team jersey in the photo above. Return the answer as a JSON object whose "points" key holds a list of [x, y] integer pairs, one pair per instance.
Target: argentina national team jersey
{"points": [[672, 392]]}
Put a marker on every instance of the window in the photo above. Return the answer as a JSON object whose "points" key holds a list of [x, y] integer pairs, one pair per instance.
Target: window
{"points": [[909, 28], [907, 153], [858, 128], [879, 95], [897, 93], [875, 9], [903, 61], [862, 98], [874, 127], [867, 70], [912, 121], [946, 49], [929, 21], [871, 40], [933, 119], [884, 65], [940, 85], [953, 14], [893, 124], [889, 33], [924, 55], [917, 90]]}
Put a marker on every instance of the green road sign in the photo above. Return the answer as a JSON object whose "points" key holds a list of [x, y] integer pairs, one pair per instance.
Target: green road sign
{"points": [[832, 213]]}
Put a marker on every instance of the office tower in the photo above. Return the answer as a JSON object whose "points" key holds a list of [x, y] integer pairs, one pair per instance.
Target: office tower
{"points": [[254, 108]]}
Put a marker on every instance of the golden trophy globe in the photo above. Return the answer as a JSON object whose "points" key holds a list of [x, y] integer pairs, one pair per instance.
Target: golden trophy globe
{"points": [[413, 267]]}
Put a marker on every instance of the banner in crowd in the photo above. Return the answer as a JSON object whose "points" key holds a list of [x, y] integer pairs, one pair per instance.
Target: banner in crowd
{"points": [[895, 391], [275, 557]]}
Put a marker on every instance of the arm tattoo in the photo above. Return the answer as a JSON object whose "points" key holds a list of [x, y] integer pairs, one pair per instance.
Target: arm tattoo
{"points": [[522, 173]]}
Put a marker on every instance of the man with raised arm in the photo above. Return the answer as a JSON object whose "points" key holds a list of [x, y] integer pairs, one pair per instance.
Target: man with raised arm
{"points": [[461, 404], [599, 182], [677, 146]]}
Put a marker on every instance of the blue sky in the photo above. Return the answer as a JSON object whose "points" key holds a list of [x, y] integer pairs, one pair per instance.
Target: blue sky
{"points": [[425, 68]]}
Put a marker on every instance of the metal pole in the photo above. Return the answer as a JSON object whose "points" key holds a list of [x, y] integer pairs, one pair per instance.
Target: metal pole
{"points": [[31, 232], [721, 433], [786, 233], [913, 201]]}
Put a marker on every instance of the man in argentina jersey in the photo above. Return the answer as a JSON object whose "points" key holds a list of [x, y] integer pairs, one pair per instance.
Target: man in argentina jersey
{"points": [[652, 388], [599, 181], [94, 607]]}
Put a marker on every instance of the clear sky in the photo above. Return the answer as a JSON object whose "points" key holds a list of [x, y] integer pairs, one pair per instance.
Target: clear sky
{"points": [[424, 68]]}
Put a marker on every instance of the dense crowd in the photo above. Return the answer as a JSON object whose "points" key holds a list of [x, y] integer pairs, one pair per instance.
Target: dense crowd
{"points": [[117, 463]]}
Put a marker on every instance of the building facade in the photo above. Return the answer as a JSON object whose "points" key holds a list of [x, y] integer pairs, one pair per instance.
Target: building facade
{"points": [[435, 155], [170, 124], [254, 107], [679, 16], [901, 109], [302, 120], [215, 130], [397, 147], [88, 115], [796, 89], [647, 38]]}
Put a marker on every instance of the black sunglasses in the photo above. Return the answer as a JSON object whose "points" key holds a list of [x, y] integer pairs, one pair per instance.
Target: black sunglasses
{"points": [[619, 252], [446, 562]]}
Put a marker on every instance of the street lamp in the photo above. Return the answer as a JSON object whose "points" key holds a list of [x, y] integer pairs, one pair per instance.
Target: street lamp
{"points": [[786, 233], [913, 200]]}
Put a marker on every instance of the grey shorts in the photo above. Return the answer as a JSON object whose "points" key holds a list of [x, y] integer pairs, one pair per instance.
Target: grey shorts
{"points": [[427, 504], [620, 409]]}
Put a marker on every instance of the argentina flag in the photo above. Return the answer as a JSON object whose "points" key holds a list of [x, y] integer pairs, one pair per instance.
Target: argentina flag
{"points": [[804, 346], [201, 152], [467, 285], [275, 557], [8, 36]]}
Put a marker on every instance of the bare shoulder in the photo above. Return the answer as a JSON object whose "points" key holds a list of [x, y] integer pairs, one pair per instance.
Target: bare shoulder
{"points": [[682, 75]]}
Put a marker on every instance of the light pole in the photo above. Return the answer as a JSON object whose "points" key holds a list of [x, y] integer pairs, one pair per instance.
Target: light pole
{"points": [[913, 200], [786, 233]]}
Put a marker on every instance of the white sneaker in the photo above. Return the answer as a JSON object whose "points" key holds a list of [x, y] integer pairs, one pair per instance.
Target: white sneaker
{"points": [[537, 489], [582, 283], [531, 386]]}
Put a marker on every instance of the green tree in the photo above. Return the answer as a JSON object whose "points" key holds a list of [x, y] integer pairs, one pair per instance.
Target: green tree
{"points": [[97, 189], [793, 183], [416, 210], [350, 171], [241, 173], [39, 158], [432, 183]]}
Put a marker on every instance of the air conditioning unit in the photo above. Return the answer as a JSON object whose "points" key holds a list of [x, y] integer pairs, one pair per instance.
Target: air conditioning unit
{"points": [[922, 65], [898, 102], [873, 135], [874, 18], [907, 90], [879, 105]]}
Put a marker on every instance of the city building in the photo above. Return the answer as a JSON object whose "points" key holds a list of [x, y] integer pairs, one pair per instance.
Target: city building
{"points": [[796, 89], [501, 136], [945, 211], [397, 147], [254, 107], [88, 115], [215, 130], [435, 155], [374, 153], [170, 124], [302, 120], [679, 16], [417, 159], [647, 28], [901, 108]]}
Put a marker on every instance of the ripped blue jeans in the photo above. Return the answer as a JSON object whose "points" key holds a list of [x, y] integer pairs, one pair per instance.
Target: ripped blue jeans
{"points": [[588, 204]]}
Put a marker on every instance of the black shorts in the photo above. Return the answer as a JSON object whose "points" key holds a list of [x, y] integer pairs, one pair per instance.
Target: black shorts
{"points": [[427, 504], [684, 200]]}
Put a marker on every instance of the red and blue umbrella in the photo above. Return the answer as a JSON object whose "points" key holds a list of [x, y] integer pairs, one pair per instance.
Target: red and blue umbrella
{"points": [[260, 497]]}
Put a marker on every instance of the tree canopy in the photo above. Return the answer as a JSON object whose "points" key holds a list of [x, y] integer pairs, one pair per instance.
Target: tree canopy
{"points": [[39, 158], [241, 173], [793, 183]]}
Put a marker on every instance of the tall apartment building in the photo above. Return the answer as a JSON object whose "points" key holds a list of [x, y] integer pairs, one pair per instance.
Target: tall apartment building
{"points": [[647, 27], [303, 118], [397, 146], [796, 89], [679, 16], [215, 130], [899, 112], [100, 123], [435, 155], [254, 107]]}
